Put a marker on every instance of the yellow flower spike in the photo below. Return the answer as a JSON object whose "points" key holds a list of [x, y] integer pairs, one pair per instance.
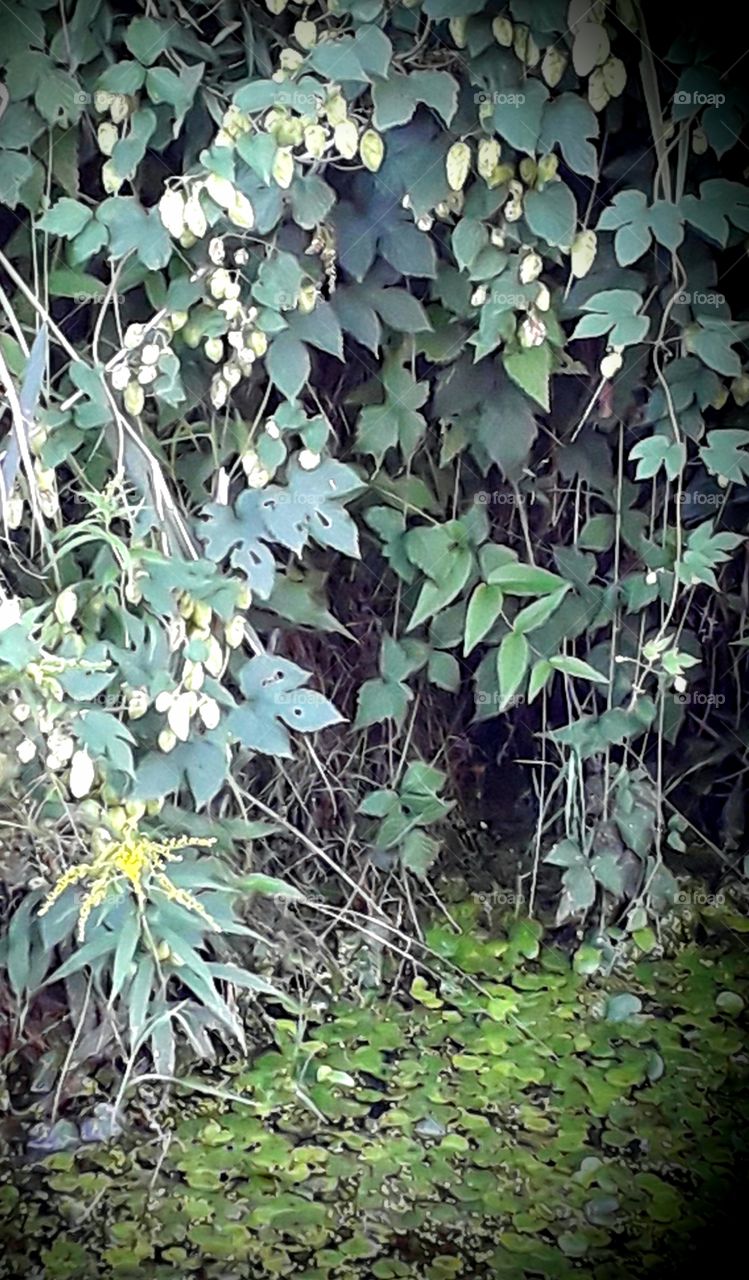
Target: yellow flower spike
{"points": [[135, 860]]}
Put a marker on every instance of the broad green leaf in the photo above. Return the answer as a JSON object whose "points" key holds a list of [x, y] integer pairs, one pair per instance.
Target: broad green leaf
{"points": [[552, 214], [65, 218], [288, 364], [536, 614], [484, 608], [512, 664], [530, 368], [570, 123], [539, 678], [571, 666], [525, 580], [147, 39]]}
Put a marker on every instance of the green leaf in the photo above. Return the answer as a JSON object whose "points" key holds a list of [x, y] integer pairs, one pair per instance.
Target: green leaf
{"points": [[530, 368], [418, 852], [64, 282], [512, 664], [129, 936], [65, 218], [147, 39], [536, 614], [270, 886], [122, 77], [398, 308], [552, 213], [164, 85], [206, 765], [381, 700], [274, 697], [130, 150], [484, 608], [443, 670], [725, 454], [525, 580], [288, 364], [570, 123], [571, 666], [518, 114], [539, 678], [15, 170], [133, 228], [469, 237], [18, 954], [714, 346]]}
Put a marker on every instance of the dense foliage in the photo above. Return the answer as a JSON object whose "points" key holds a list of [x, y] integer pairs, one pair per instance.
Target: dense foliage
{"points": [[510, 1117], [368, 379]]}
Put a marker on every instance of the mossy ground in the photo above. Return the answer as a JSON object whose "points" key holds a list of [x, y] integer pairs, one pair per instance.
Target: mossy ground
{"points": [[524, 1120]]}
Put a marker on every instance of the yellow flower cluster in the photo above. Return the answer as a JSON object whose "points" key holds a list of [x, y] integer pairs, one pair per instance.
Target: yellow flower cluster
{"points": [[137, 860]]}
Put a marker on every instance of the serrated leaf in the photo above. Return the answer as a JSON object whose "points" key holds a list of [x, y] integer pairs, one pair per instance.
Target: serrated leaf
{"points": [[530, 368]]}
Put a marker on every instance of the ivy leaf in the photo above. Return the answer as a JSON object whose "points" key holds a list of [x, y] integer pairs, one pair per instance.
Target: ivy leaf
{"points": [[552, 213], [205, 765], [580, 888], [399, 309], [616, 314], [518, 114], [320, 328], [238, 533], [530, 368], [15, 170], [443, 670], [311, 506], [469, 237], [569, 122], [122, 77], [288, 364], [635, 225], [147, 39], [380, 700], [65, 218], [724, 455], [656, 452], [395, 422], [310, 198], [129, 151], [396, 99], [274, 697], [131, 227], [164, 85], [713, 343], [705, 550]]}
